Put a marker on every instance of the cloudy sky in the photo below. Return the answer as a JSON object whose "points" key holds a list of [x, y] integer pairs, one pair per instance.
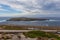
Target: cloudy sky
{"points": [[30, 8]]}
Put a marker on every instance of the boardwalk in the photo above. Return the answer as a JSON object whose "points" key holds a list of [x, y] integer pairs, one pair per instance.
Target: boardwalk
{"points": [[20, 31]]}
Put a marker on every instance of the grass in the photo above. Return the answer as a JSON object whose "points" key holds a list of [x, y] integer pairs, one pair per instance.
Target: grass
{"points": [[8, 27], [34, 34]]}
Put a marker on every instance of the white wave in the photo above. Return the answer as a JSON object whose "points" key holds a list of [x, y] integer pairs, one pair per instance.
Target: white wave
{"points": [[54, 20], [2, 20], [33, 21]]}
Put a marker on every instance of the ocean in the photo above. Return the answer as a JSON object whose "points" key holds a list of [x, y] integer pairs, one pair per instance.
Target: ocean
{"points": [[54, 21]]}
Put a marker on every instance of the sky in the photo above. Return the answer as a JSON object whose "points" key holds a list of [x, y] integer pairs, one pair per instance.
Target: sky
{"points": [[29, 8]]}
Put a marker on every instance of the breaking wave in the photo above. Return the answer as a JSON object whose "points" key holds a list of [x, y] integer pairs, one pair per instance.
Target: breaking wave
{"points": [[2, 20]]}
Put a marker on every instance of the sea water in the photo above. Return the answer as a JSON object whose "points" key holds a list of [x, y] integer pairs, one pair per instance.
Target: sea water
{"points": [[54, 21]]}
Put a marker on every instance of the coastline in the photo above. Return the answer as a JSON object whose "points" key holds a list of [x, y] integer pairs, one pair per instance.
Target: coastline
{"points": [[27, 27]]}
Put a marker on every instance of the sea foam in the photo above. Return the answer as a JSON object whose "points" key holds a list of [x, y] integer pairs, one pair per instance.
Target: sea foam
{"points": [[2, 20]]}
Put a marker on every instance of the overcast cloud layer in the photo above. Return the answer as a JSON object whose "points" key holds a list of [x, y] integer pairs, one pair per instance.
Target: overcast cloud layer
{"points": [[34, 8]]}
